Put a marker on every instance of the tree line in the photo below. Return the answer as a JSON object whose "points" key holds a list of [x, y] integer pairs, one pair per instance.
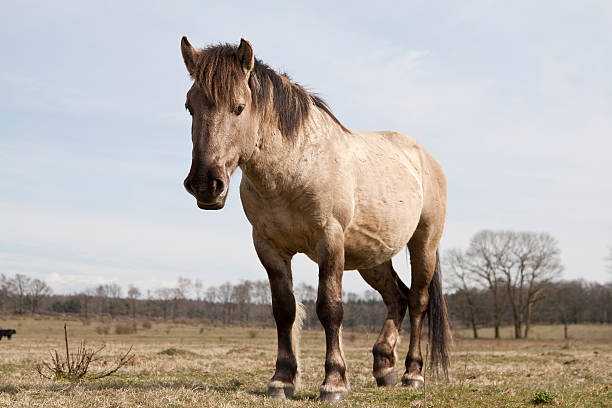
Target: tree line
{"points": [[247, 302], [508, 277], [502, 278]]}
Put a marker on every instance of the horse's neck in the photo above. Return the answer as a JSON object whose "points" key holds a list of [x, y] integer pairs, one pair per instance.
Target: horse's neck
{"points": [[281, 162]]}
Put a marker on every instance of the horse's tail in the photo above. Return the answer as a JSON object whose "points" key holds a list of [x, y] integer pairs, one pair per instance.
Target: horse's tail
{"points": [[440, 337]]}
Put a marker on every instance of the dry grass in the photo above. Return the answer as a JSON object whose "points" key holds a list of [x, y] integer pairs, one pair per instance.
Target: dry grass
{"points": [[226, 367]]}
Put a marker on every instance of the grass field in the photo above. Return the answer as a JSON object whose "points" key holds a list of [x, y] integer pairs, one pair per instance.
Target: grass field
{"points": [[229, 367]]}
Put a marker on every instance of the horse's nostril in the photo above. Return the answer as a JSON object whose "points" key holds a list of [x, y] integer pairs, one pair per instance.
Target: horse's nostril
{"points": [[218, 187]]}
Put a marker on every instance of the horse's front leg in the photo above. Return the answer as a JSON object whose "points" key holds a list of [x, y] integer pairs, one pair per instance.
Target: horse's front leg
{"points": [[330, 251], [284, 307]]}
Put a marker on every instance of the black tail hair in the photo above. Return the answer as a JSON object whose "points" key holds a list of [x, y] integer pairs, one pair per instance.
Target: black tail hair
{"points": [[440, 337]]}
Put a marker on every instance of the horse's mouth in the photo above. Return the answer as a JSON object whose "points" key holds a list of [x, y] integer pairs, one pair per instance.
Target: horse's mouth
{"points": [[211, 206]]}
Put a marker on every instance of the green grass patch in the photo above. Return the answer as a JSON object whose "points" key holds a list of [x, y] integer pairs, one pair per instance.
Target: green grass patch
{"points": [[543, 397]]}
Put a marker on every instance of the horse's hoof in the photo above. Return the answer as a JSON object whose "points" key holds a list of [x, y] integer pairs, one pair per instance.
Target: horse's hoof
{"points": [[388, 380], [330, 397], [412, 383], [280, 392]]}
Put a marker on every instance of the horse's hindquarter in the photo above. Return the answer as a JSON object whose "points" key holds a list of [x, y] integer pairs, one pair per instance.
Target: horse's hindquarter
{"points": [[388, 197]]}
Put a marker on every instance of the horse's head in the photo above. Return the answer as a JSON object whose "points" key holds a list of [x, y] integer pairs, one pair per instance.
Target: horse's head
{"points": [[223, 127]]}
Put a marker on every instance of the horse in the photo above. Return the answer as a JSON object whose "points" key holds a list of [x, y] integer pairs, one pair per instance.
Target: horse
{"points": [[346, 199]]}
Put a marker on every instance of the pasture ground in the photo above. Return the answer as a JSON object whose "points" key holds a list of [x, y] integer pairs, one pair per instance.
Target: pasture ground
{"points": [[191, 365]]}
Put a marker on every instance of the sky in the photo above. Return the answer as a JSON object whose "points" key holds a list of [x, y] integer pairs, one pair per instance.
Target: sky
{"points": [[513, 99]]}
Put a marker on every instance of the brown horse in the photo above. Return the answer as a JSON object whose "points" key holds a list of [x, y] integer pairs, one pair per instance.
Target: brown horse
{"points": [[346, 199]]}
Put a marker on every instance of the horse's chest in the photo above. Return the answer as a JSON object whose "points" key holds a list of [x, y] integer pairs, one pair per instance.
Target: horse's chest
{"points": [[290, 229]]}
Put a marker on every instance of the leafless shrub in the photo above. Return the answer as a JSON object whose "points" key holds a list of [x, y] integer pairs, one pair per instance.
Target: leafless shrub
{"points": [[74, 366], [147, 324], [103, 329], [125, 328], [252, 334]]}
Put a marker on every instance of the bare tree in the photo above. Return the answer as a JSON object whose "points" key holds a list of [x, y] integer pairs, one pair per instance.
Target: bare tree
{"points": [[85, 299], [165, 296], [37, 290], [211, 294], [241, 295], [529, 263], [183, 290], [523, 263], [4, 293], [224, 295], [564, 300], [457, 264], [114, 292], [184, 287], [487, 251], [198, 287], [19, 286], [133, 294]]}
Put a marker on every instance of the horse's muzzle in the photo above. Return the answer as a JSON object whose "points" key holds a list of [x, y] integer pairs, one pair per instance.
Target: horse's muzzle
{"points": [[210, 193], [212, 206]]}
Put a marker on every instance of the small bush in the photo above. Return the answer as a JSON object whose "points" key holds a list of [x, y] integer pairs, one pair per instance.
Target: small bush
{"points": [[125, 328], [201, 330], [252, 334], [75, 366], [147, 324], [103, 329], [543, 397]]}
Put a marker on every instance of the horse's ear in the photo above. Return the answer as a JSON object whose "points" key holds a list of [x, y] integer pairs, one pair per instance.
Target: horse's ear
{"points": [[245, 56], [189, 55]]}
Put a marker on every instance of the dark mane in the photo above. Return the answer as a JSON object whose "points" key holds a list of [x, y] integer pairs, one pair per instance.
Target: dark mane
{"points": [[274, 95]]}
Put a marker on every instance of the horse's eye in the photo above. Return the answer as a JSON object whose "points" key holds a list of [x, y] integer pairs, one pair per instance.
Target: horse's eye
{"points": [[238, 109]]}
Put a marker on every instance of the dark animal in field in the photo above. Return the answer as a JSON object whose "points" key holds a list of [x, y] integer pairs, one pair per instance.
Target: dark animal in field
{"points": [[347, 199], [7, 333]]}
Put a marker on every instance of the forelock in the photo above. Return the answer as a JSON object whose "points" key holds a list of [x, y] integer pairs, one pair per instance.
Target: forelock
{"points": [[218, 74]]}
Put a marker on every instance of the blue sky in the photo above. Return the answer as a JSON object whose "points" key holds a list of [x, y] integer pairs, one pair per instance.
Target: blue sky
{"points": [[514, 100]]}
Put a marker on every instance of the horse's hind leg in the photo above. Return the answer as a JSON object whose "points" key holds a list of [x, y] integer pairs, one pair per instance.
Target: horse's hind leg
{"points": [[287, 314], [423, 260], [385, 280]]}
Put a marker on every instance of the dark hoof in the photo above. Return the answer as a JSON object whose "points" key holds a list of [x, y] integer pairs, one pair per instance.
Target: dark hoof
{"points": [[412, 383], [330, 397], [280, 392], [388, 380]]}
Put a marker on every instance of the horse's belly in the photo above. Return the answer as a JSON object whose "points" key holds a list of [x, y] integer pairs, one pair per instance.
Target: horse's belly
{"points": [[372, 240]]}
